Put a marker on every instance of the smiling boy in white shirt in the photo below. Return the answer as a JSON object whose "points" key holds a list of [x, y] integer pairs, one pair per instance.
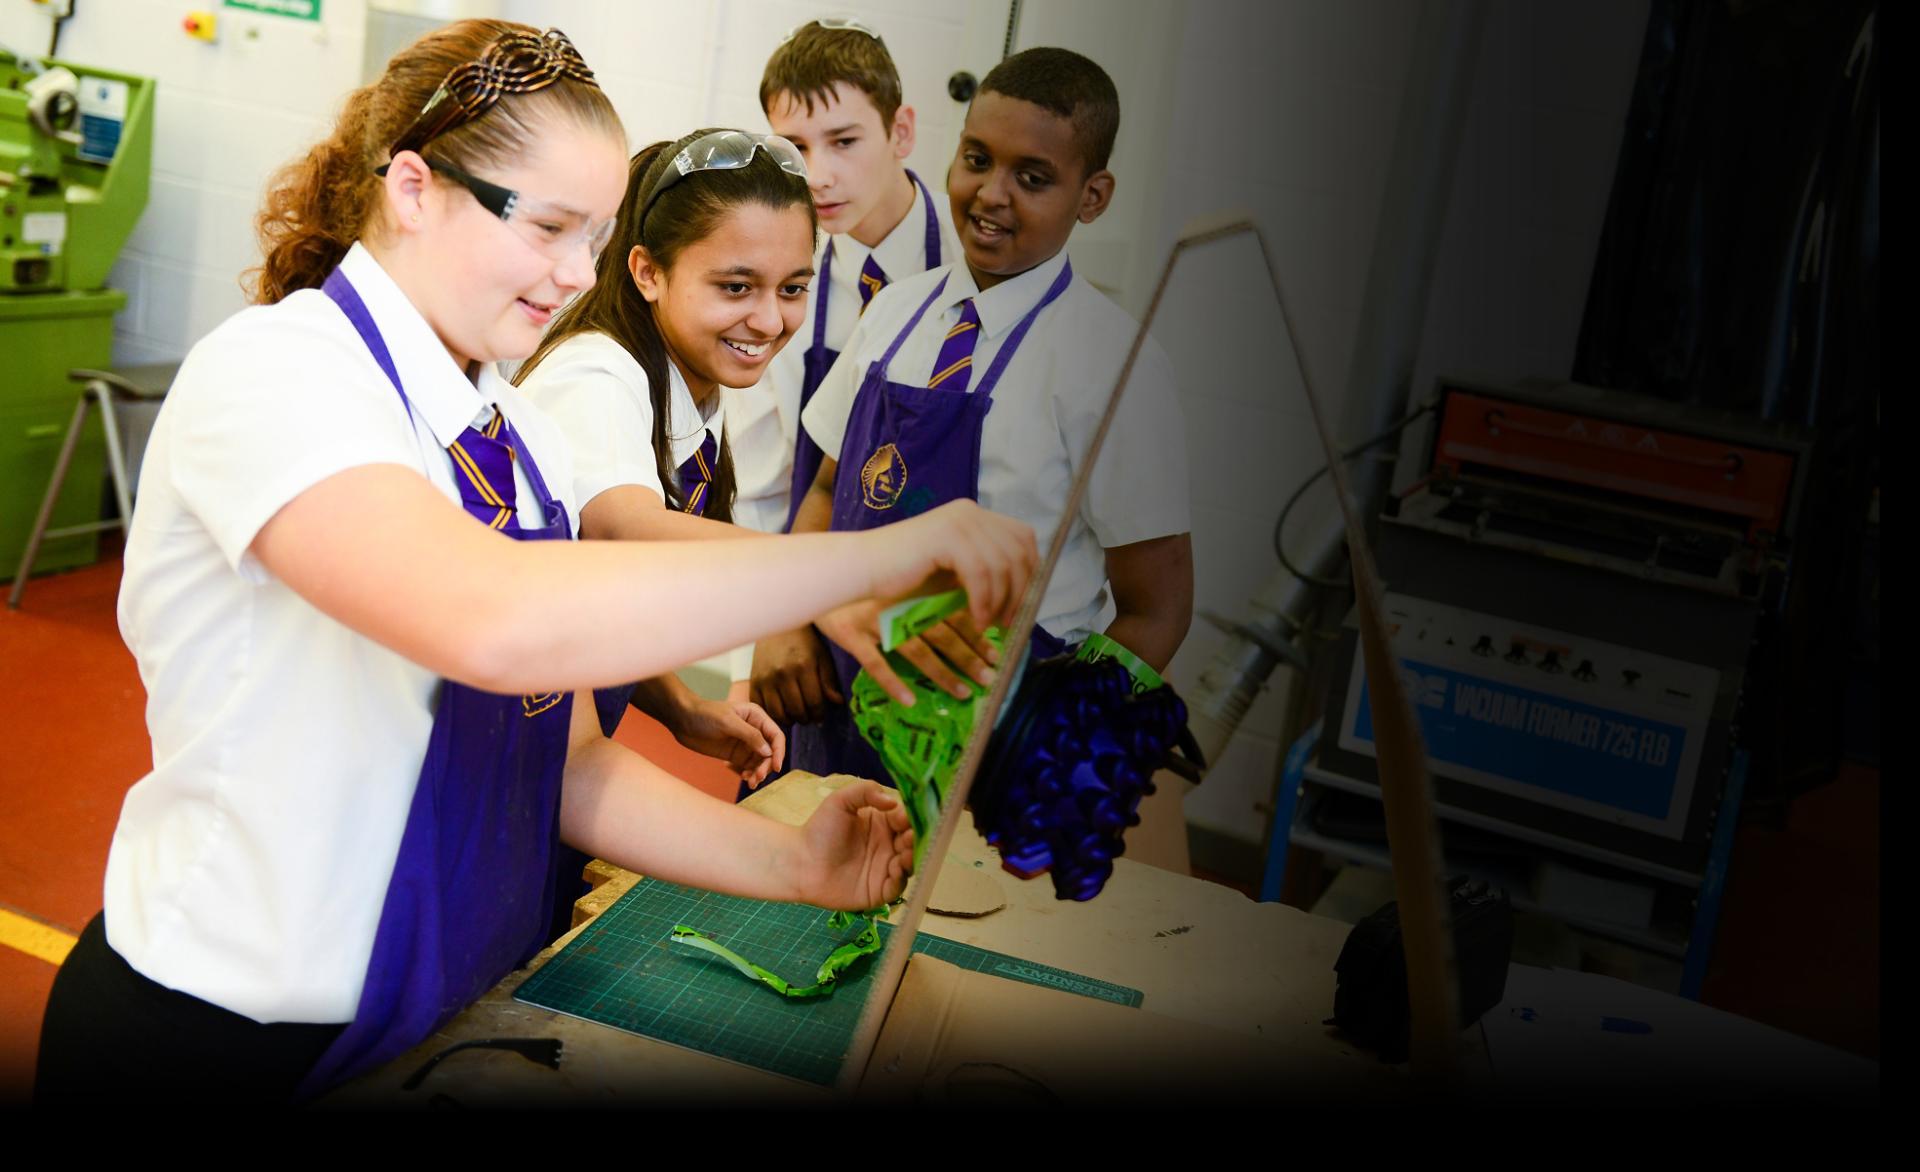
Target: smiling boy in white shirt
{"points": [[987, 378]]}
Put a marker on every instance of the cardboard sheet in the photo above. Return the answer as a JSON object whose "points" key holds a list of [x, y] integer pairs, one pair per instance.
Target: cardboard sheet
{"points": [[955, 1037]]}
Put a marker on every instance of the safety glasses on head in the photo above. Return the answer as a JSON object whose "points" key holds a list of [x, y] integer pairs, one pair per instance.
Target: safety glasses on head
{"points": [[724, 150], [552, 229], [831, 24]]}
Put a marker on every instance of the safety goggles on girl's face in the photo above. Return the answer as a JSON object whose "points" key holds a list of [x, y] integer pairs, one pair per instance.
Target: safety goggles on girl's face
{"points": [[726, 150], [553, 230]]}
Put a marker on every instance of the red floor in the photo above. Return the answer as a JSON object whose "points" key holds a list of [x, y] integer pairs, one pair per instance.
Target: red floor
{"points": [[1798, 945], [76, 738]]}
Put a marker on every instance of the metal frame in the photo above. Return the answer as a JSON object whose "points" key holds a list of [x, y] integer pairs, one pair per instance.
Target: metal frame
{"points": [[1706, 906], [103, 387], [1286, 796]]}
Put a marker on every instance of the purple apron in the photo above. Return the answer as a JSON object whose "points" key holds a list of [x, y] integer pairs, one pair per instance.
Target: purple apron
{"points": [[469, 897], [908, 448], [819, 359]]}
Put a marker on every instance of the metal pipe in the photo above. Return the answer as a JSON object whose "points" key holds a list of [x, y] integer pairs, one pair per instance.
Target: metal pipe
{"points": [[1240, 668]]}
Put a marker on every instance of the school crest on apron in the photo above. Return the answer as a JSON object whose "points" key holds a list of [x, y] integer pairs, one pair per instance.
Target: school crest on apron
{"points": [[883, 478], [819, 359], [535, 705]]}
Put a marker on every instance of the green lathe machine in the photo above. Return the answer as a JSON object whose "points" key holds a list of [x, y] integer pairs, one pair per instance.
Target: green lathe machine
{"points": [[76, 146]]}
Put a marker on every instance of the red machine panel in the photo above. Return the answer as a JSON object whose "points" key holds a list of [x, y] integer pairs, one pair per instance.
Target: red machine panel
{"points": [[1659, 464]]}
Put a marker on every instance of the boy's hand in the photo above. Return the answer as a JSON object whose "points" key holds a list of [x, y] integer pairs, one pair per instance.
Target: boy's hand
{"points": [[989, 556], [793, 677], [858, 849], [741, 734], [943, 653]]}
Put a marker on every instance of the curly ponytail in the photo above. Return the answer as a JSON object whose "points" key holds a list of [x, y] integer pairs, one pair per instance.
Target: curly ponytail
{"points": [[319, 204]]}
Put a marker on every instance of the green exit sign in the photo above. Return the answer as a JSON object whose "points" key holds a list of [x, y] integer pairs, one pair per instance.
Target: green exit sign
{"points": [[298, 9]]}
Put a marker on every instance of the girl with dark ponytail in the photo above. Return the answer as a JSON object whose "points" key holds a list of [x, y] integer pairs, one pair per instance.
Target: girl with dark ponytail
{"points": [[353, 597], [704, 282]]}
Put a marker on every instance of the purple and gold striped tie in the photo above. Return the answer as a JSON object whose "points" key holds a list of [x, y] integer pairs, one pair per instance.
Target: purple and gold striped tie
{"points": [[872, 279], [954, 367], [696, 476], [484, 461]]}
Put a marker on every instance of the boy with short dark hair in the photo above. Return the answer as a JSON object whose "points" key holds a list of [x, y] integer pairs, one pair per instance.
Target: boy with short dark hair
{"points": [[987, 378]]}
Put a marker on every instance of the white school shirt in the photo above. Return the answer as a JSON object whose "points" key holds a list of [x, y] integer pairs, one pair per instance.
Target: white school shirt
{"points": [[599, 396], [764, 420], [250, 867], [1045, 410]]}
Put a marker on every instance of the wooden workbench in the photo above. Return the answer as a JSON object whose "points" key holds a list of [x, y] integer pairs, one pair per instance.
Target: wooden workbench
{"points": [[1223, 975]]}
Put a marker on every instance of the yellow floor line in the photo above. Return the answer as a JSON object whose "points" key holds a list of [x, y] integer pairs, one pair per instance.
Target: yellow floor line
{"points": [[34, 938]]}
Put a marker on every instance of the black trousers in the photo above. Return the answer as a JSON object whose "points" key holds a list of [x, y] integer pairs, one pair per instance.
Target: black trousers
{"points": [[113, 1035]]}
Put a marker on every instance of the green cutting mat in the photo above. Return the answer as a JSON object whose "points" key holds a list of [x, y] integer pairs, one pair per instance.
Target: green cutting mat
{"points": [[620, 971]]}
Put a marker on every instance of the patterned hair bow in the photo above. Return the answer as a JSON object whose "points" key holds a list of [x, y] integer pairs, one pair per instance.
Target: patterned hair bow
{"points": [[516, 63]]}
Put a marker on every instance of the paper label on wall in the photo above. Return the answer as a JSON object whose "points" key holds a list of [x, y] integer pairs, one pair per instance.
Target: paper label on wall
{"points": [[47, 229], [298, 9]]}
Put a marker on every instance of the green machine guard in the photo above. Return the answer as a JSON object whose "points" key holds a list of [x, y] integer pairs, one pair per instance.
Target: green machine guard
{"points": [[76, 149], [76, 153]]}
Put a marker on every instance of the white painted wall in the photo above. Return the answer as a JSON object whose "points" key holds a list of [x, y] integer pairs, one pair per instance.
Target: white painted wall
{"points": [[228, 113], [1323, 82]]}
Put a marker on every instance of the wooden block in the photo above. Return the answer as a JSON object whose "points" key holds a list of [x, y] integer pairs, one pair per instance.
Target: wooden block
{"points": [[600, 871], [609, 885]]}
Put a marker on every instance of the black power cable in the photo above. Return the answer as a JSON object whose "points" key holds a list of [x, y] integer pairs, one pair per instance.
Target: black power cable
{"points": [[1286, 510]]}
